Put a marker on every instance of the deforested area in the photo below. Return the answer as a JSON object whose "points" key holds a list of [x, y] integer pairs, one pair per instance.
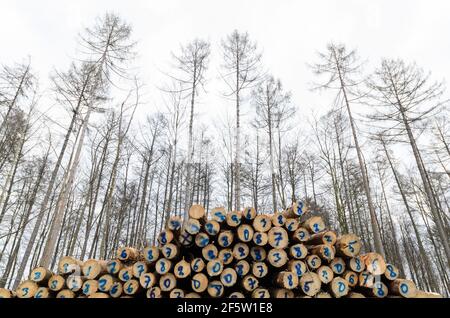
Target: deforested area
{"points": [[140, 161]]}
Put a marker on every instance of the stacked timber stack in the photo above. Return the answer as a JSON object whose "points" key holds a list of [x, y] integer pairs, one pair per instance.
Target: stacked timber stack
{"points": [[230, 254]]}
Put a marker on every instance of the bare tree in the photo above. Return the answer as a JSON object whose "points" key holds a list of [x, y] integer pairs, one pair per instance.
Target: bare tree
{"points": [[242, 66]]}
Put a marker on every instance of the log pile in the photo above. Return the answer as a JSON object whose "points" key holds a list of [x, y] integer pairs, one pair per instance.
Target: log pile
{"points": [[243, 254]]}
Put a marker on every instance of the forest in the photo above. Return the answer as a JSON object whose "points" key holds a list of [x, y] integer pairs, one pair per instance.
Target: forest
{"points": [[376, 164]]}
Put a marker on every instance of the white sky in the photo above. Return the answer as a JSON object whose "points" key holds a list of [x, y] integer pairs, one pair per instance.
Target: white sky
{"points": [[289, 32]]}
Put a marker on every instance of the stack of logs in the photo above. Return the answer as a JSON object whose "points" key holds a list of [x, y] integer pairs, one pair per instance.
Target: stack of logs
{"points": [[230, 254]]}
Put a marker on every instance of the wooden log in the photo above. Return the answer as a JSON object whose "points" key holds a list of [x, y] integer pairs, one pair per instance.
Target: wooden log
{"points": [[116, 289], [226, 256], [99, 295], [313, 262], [260, 238], [174, 224], [277, 257], [375, 263], [170, 251], [249, 213], [249, 283], [139, 268], [287, 280], [212, 227], [366, 279], [94, 268], [403, 287], [378, 290], [356, 264], [236, 295], [89, 287], [167, 282], [348, 245], [245, 233], [147, 280], [150, 254], [278, 220], [182, 269], [310, 283], [177, 293], [193, 295], [262, 223], [192, 226], [43, 292], [324, 237], [225, 238], [339, 287], [163, 266], [68, 265], [185, 238], [298, 251], [56, 282], [126, 273], [281, 293], [105, 282], [197, 212], [278, 237], [242, 268], [355, 295], [240, 251], [201, 239], [261, 293], [391, 272], [153, 292], [325, 274], [258, 253], [301, 235], [338, 265], [166, 237], [228, 277], [233, 219], [296, 266], [75, 282], [219, 214], [40, 275], [259, 269], [114, 266], [291, 225], [128, 254], [214, 267], [297, 209], [65, 293], [324, 251], [314, 224], [215, 289], [210, 252], [197, 265], [351, 278], [6, 293], [199, 283]]}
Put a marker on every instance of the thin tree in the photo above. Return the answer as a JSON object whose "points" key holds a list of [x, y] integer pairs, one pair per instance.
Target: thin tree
{"points": [[242, 66]]}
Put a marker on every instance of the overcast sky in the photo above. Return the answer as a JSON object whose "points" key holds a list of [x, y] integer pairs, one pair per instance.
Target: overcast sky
{"points": [[289, 32]]}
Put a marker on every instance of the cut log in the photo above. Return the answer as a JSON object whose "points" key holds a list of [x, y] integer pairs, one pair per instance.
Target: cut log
{"points": [[240, 251], [75, 282], [163, 266], [242, 268], [210, 252], [314, 224], [261, 293], [65, 293], [324, 237], [128, 254], [228, 277], [249, 213], [226, 256], [153, 292], [277, 257], [310, 283], [325, 274], [215, 289], [348, 245], [391, 272], [258, 253], [201, 239], [324, 251], [278, 237], [233, 219], [5, 293], [126, 273], [165, 237], [338, 265], [212, 227], [182, 269], [301, 235], [170, 251], [151, 254], [68, 265], [105, 282], [43, 292], [260, 269], [192, 226], [281, 293], [313, 262], [197, 265], [219, 214], [260, 238], [174, 224], [339, 287], [262, 223], [225, 238], [94, 268], [296, 210], [167, 282], [249, 283], [56, 283], [287, 280], [40, 276], [356, 264], [351, 278], [298, 251], [113, 267], [214, 267], [374, 262], [245, 233], [296, 266], [139, 268], [291, 225], [90, 287], [278, 220], [177, 293], [147, 280], [199, 283]]}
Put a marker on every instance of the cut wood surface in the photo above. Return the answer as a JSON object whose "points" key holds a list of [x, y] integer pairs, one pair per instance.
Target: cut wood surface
{"points": [[237, 254]]}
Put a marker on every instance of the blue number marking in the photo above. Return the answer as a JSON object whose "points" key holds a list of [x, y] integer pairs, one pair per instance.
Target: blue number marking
{"points": [[211, 254], [404, 288], [220, 216], [195, 266], [306, 286], [234, 218], [126, 276], [277, 257], [251, 282], [162, 267], [114, 289], [166, 283], [316, 227], [264, 222], [298, 269], [240, 269], [123, 254], [246, 234], [298, 251], [338, 267], [226, 257], [290, 282], [196, 283], [86, 288], [227, 278], [218, 289], [53, 284], [225, 242], [150, 255], [216, 267], [37, 275], [102, 284], [130, 288], [25, 291], [147, 281], [261, 269], [341, 287], [241, 251], [258, 239]]}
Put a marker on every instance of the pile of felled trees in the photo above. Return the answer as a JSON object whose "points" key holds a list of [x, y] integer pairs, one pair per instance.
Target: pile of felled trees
{"points": [[230, 254]]}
